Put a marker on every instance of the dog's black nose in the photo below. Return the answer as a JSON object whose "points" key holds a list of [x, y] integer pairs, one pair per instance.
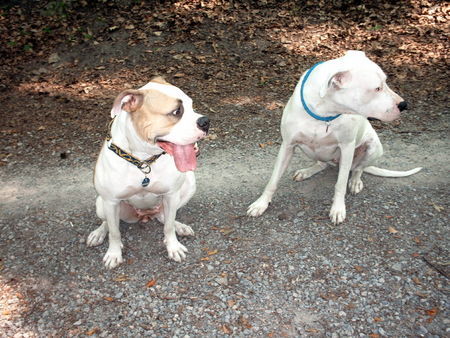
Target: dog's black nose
{"points": [[402, 105], [203, 123]]}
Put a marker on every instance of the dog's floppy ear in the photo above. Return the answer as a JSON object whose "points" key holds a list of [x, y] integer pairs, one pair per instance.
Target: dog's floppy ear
{"points": [[129, 100], [337, 80]]}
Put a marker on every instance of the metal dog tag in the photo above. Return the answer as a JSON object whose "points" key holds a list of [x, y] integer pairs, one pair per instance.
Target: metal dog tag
{"points": [[145, 182]]}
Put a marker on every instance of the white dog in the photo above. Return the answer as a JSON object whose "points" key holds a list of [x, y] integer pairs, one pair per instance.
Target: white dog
{"points": [[145, 168], [355, 87]]}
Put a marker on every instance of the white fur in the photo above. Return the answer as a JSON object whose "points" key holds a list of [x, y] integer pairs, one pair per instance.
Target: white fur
{"points": [[347, 86], [118, 182]]}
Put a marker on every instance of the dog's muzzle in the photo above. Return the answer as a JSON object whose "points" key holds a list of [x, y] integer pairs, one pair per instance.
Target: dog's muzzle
{"points": [[203, 123]]}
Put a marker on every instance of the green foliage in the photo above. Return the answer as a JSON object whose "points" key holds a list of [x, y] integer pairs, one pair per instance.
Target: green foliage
{"points": [[28, 47], [376, 28]]}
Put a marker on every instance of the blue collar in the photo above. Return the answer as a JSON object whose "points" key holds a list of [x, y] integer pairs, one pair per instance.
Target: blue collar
{"points": [[317, 117]]}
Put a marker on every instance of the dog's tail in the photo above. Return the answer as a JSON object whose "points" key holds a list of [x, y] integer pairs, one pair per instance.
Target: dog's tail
{"points": [[390, 173]]}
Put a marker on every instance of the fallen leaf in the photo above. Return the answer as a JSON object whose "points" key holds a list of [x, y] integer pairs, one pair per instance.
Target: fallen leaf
{"points": [[392, 230], [378, 319], [432, 312], [121, 278], [359, 268], [374, 335], [416, 281], [204, 259], [226, 231], [438, 208], [212, 252], [109, 299], [245, 323], [312, 330], [231, 302], [93, 331], [274, 105], [226, 329], [417, 240], [210, 137], [150, 283]]}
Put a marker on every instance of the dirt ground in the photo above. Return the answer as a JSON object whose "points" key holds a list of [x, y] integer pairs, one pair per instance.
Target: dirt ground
{"points": [[279, 275]]}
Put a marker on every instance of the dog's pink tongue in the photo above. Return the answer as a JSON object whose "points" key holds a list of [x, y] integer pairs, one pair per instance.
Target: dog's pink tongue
{"points": [[184, 156]]}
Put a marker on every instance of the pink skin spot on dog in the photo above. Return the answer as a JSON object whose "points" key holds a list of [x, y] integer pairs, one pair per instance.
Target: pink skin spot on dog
{"points": [[146, 215]]}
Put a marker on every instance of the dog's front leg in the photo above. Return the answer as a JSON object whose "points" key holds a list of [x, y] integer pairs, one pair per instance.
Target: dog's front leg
{"points": [[175, 249], [337, 212], [283, 159], [113, 256]]}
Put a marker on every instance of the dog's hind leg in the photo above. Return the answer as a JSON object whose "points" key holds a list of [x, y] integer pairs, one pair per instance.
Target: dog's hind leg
{"points": [[282, 162], [365, 155], [305, 173]]}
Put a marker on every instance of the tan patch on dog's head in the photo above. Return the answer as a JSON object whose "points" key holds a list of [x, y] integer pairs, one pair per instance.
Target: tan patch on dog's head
{"points": [[155, 117]]}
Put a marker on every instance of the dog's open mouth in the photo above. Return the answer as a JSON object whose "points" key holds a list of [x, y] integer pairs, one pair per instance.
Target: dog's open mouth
{"points": [[185, 156]]}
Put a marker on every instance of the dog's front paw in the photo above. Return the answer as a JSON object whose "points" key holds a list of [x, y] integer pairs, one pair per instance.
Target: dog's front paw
{"points": [[113, 257], [176, 250], [355, 185], [183, 229], [337, 212], [258, 207], [97, 236]]}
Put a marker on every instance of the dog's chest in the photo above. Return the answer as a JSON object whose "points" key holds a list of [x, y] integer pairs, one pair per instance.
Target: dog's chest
{"points": [[318, 143]]}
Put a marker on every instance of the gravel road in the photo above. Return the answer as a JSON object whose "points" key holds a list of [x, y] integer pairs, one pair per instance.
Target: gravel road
{"points": [[383, 272]]}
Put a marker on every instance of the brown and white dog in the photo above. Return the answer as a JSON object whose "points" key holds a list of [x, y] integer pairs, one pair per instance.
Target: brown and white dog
{"points": [[145, 169]]}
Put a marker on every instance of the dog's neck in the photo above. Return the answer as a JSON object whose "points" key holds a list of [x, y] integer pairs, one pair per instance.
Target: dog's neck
{"points": [[328, 108], [125, 136], [321, 106]]}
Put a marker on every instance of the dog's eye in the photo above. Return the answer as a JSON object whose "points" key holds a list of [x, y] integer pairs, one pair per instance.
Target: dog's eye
{"points": [[177, 112], [378, 89]]}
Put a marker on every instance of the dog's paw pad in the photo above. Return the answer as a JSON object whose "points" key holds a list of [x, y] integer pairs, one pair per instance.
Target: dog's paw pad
{"points": [[113, 258], [183, 229], [176, 251]]}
